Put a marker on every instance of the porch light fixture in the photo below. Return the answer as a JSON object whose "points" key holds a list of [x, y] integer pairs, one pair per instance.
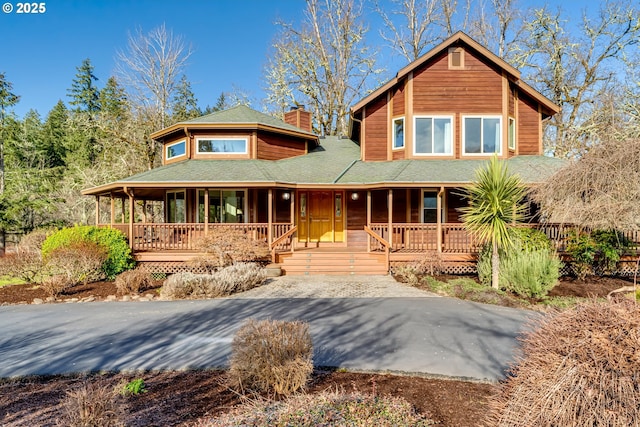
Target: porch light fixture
{"points": [[286, 195], [355, 196]]}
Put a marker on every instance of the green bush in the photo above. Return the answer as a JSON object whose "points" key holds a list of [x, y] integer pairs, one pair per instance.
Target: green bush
{"points": [[119, 256], [530, 273], [595, 252], [529, 270]]}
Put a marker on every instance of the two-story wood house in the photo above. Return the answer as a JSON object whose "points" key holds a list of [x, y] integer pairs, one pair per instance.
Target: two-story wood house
{"points": [[386, 193]]}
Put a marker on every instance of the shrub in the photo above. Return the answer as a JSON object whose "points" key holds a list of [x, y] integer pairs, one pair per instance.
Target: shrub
{"points": [[55, 285], [325, 409], [579, 367], [133, 281], [119, 256], [91, 405], [595, 252], [80, 262], [531, 269], [271, 356], [530, 273], [235, 278], [26, 263], [225, 246]]}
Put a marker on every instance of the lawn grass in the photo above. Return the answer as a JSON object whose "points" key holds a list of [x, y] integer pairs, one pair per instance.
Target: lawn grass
{"points": [[8, 280]]}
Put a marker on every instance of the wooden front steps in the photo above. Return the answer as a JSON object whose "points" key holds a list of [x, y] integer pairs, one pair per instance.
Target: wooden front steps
{"points": [[307, 262]]}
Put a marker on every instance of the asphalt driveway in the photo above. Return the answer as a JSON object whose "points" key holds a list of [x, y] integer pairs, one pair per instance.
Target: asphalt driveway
{"points": [[437, 336]]}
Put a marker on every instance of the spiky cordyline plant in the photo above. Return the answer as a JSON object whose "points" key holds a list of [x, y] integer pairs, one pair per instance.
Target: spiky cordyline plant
{"points": [[495, 206]]}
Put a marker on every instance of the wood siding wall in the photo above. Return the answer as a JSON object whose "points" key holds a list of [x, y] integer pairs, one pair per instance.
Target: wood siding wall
{"points": [[272, 146], [528, 123], [376, 123], [433, 88]]}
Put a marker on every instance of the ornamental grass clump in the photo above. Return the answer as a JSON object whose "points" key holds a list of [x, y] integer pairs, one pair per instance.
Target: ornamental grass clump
{"points": [[235, 278], [271, 356], [92, 405], [329, 408], [579, 367]]}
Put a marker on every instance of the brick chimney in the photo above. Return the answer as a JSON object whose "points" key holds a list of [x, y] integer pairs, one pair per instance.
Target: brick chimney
{"points": [[299, 117]]}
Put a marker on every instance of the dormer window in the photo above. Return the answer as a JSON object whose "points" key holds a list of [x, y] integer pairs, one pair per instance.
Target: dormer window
{"points": [[456, 58], [177, 149], [398, 133]]}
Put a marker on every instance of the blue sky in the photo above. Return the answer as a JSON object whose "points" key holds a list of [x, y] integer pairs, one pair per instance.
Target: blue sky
{"points": [[40, 52]]}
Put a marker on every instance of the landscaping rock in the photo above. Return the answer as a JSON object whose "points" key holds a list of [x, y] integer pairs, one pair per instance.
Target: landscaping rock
{"points": [[111, 298], [38, 301], [126, 298], [51, 299], [88, 299]]}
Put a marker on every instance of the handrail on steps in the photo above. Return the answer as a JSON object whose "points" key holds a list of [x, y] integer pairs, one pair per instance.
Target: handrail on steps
{"points": [[276, 242], [383, 242]]}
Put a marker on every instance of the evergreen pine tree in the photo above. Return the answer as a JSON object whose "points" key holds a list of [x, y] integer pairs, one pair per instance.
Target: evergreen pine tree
{"points": [[84, 93], [185, 104], [55, 135]]}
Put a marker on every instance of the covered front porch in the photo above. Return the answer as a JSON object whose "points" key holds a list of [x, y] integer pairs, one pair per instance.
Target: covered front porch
{"points": [[163, 223]]}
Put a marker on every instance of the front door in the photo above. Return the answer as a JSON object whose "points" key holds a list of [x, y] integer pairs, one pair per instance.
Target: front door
{"points": [[320, 216]]}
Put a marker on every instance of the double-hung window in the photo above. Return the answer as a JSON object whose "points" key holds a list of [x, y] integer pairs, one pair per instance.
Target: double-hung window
{"points": [[482, 135], [433, 136], [398, 133]]}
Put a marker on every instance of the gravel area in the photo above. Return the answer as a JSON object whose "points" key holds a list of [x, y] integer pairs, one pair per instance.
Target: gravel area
{"points": [[326, 286]]}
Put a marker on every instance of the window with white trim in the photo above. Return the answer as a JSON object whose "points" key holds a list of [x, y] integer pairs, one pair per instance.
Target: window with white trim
{"points": [[512, 133], [482, 135], [433, 136], [398, 133], [430, 207], [177, 149], [221, 145]]}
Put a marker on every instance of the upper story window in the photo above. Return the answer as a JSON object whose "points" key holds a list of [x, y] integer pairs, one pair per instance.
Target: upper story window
{"points": [[433, 136], [398, 133], [482, 135], [177, 149], [221, 145], [512, 133]]}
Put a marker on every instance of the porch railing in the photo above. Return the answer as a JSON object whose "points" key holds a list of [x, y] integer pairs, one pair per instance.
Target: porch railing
{"points": [[415, 237], [181, 236]]}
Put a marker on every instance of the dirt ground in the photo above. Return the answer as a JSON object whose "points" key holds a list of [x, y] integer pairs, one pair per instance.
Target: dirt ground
{"points": [[181, 398]]}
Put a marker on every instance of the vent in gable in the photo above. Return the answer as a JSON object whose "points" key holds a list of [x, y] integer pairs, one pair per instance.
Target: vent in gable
{"points": [[456, 58]]}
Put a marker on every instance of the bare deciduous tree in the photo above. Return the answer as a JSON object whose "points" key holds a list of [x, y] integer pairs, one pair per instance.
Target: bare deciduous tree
{"points": [[150, 69], [324, 63], [575, 68], [599, 191]]}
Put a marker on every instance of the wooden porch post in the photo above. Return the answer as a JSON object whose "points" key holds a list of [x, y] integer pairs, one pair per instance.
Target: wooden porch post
{"points": [[132, 207], [206, 211], [144, 211], [123, 216], [97, 210], [439, 218], [368, 218], [390, 216], [293, 215], [270, 216], [112, 215]]}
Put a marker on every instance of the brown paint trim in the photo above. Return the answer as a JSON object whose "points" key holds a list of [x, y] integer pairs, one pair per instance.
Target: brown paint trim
{"points": [[236, 126]]}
